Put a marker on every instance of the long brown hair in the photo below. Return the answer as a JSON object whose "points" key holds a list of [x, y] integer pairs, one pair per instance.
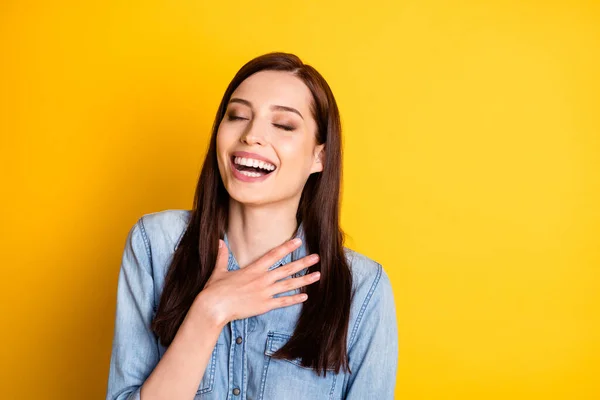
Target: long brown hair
{"points": [[320, 335]]}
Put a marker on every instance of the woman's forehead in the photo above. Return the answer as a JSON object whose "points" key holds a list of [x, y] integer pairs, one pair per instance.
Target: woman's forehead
{"points": [[266, 88]]}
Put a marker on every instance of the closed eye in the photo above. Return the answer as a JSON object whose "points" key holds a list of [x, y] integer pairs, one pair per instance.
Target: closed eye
{"points": [[235, 118], [284, 127]]}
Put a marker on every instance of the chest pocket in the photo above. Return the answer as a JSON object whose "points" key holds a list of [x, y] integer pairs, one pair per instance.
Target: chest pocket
{"points": [[208, 380], [288, 379]]}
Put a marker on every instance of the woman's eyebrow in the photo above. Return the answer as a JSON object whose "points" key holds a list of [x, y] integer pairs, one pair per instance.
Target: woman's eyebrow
{"points": [[241, 101], [275, 107], [285, 108]]}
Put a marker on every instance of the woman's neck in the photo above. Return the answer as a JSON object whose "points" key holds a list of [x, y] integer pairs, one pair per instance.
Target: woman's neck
{"points": [[253, 231]]}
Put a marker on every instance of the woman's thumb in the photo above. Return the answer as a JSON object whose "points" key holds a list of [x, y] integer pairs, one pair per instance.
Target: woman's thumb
{"points": [[222, 256]]}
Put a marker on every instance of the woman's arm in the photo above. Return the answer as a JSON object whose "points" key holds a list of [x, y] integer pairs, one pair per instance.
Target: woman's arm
{"points": [[135, 369], [180, 370], [373, 353], [134, 347]]}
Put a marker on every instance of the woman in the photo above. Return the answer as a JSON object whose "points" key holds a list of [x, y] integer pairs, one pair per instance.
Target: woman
{"points": [[277, 309]]}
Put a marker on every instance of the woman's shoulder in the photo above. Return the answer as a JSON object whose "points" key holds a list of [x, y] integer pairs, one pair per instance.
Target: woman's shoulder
{"points": [[371, 290], [165, 227], [366, 272], [161, 232], [166, 217]]}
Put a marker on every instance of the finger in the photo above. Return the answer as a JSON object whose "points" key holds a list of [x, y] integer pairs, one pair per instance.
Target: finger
{"points": [[222, 257], [294, 283], [285, 301], [276, 254], [293, 267]]}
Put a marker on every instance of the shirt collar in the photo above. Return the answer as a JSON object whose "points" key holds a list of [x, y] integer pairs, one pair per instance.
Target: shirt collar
{"points": [[297, 254]]}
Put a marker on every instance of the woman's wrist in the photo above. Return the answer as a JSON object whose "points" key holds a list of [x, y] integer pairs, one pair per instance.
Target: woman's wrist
{"points": [[204, 311]]}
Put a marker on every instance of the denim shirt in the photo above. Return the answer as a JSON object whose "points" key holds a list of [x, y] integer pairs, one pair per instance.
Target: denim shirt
{"points": [[241, 366]]}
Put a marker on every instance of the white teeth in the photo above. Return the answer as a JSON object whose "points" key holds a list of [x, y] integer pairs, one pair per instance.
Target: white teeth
{"points": [[251, 174], [249, 162]]}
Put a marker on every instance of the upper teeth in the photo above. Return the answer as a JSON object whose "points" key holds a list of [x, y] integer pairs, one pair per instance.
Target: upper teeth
{"points": [[250, 162]]}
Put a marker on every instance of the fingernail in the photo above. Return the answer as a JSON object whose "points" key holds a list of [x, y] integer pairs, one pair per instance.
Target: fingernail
{"points": [[314, 257], [297, 241], [303, 296], [220, 243], [316, 275]]}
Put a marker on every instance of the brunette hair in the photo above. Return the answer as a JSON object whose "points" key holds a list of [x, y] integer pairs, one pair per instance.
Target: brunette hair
{"points": [[319, 339]]}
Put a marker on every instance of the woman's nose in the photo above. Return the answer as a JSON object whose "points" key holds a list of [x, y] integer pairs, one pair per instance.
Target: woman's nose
{"points": [[254, 134]]}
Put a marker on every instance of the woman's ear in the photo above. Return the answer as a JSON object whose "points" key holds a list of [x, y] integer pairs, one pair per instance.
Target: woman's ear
{"points": [[319, 159]]}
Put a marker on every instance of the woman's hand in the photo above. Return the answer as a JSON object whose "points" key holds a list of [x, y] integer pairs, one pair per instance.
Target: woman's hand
{"points": [[230, 295]]}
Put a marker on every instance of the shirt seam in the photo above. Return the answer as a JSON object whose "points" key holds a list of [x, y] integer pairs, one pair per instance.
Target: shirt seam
{"points": [[146, 241], [365, 304], [148, 254]]}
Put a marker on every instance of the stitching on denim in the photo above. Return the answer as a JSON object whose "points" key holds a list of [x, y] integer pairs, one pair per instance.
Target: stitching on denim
{"points": [[263, 379], [140, 224], [146, 241], [232, 345], [211, 374], [179, 239], [274, 337], [332, 387], [186, 222], [269, 344], [244, 387], [364, 306], [277, 335]]}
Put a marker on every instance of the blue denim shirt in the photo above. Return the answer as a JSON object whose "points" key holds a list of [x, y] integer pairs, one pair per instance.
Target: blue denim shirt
{"points": [[241, 366]]}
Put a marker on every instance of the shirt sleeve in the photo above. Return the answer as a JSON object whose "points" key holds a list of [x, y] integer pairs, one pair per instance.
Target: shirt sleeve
{"points": [[373, 353], [135, 347]]}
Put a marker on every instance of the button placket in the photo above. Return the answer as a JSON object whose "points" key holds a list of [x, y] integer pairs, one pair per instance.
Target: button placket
{"points": [[237, 359]]}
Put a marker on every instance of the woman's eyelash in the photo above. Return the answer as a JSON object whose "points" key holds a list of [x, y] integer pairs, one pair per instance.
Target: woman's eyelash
{"points": [[284, 127], [287, 128]]}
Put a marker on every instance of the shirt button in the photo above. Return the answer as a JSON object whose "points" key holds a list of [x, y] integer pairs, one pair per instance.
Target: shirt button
{"points": [[236, 392], [238, 340]]}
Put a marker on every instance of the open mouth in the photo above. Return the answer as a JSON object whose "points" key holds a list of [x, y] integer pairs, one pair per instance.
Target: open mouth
{"points": [[251, 167]]}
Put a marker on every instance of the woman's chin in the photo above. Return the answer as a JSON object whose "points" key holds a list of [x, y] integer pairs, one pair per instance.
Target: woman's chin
{"points": [[251, 197]]}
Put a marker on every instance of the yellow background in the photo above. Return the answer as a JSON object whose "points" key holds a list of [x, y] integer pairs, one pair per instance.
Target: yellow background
{"points": [[472, 173]]}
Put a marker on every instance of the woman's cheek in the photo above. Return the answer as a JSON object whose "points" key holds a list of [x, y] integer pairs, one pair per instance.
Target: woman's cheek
{"points": [[288, 147]]}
